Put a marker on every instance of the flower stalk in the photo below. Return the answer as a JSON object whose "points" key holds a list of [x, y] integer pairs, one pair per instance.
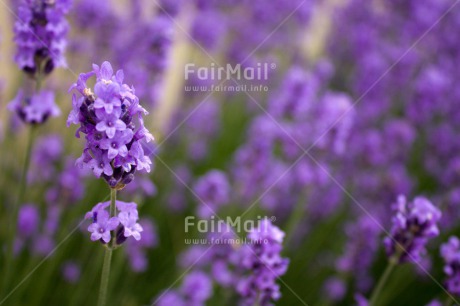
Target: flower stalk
{"points": [[108, 255], [383, 280], [15, 208]]}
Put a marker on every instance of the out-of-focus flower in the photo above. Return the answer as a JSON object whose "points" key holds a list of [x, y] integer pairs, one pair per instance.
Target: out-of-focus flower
{"points": [[195, 290], [414, 224], [40, 35], [262, 262], [450, 252], [361, 300], [214, 190], [71, 272], [434, 303], [360, 250], [335, 289], [114, 139], [28, 220], [35, 109], [136, 249]]}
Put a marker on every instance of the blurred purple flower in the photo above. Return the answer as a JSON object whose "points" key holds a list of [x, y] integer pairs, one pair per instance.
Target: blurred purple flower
{"points": [[263, 263], [335, 289], [40, 35], [450, 252], [35, 109], [414, 224], [196, 288], [136, 249], [214, 190], [28, 220], [71, 272]]}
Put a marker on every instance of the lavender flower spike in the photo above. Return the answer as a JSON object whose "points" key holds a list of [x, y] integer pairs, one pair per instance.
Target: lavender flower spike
{"points": [[111, 119], [35, 109], [413, 225], [40, 35], [264, 264], [450, 252]]}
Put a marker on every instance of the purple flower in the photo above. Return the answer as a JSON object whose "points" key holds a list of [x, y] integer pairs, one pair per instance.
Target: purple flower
{"points": [[109, 123], [93, 213], [129, 221], [102, 226], [125, 223], [168, 298], [28, 220], [100, 164], [361, 300], [35, 109], [450, 252], [117, 145], [43, 244], [195, 290], [263, 263], [40, 35], [45, 157], [197, 287], [360, 250], [214, 190], [71, 272], [107, 117], [136, 249], [414, 223], [335, 289]]}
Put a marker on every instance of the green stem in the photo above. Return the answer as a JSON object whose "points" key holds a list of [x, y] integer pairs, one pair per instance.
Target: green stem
{"points": [[383, 280], [108, 256], [105, 277], [14, 213], [294, 219]]}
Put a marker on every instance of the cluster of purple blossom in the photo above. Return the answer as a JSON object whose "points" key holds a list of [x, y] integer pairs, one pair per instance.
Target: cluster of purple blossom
{"points": [[251, 269], [264, 265], [414, 224], [450, 252], [35, 109], [402, 138], [40, 35], [114, 142], [395, 140], [123, 225]]}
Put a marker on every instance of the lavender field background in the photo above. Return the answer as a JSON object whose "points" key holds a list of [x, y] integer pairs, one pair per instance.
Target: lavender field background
{"points": [[331, 135]]}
